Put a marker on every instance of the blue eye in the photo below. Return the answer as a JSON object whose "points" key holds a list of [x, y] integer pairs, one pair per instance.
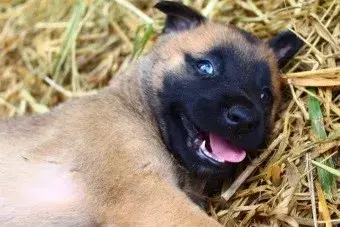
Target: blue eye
{"points": [[205, 67]]}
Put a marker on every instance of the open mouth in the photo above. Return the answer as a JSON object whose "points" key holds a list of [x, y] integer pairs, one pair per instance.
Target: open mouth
{"points": [[211, 146]]}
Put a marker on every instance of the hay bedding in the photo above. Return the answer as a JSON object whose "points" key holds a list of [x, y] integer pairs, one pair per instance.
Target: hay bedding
{"points": [[54, 50]]}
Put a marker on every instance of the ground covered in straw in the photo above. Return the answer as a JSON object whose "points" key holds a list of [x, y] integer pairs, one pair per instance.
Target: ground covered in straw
{"points": [[55, 50]]}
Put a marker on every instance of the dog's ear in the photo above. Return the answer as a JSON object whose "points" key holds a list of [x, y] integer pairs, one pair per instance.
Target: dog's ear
{"points": [[179, 17], [285, 45]]}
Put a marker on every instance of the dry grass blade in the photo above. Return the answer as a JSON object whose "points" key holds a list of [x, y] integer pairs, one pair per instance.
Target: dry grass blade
{"points": [[135, 10], [324, 33], [311, 189], [329, 72], [74, 48], [323, 208]]}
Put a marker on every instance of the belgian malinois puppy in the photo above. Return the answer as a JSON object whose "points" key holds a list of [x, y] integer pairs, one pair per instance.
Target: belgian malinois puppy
{"points": [[201, 99]]}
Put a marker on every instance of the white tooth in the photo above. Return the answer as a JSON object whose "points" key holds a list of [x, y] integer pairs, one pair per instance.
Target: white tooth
{"points": [[202, 147], [207, 153]]}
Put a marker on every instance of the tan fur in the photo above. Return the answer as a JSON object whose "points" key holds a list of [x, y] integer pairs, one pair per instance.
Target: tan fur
{"points": [[207, 36], [100, 160], [276, 85], [119, 171]]}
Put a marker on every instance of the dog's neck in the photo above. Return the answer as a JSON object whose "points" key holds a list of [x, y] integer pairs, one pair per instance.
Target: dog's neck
{"points": [[128, 88]]}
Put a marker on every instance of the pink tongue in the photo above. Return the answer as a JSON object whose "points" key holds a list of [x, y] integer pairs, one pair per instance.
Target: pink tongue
{"points": [[224, 150]]}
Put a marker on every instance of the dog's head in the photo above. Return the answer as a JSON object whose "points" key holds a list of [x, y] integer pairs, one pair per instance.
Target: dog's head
{"points": [[214, 88]]}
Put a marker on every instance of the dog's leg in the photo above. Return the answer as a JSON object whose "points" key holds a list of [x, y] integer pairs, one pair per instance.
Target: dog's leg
{"points": [[152, 202], [139, 190]]}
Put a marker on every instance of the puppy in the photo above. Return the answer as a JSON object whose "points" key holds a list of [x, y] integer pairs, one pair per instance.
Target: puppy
{"points": [[201, 99]]}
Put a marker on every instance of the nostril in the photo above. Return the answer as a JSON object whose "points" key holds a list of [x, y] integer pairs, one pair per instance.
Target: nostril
{"points": [[234, 117], [241, 119], [238, 114]]}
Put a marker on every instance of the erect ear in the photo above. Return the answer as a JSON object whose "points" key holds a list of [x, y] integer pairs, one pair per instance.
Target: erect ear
{"points": [[285, 45], [179, 17]]}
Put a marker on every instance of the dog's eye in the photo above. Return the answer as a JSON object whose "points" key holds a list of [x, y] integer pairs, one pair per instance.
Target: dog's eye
{"points": [[205, 67], [266, 95]]}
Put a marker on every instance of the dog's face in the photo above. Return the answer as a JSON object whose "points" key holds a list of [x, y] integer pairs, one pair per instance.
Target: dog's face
{"points": [[217, 89]]}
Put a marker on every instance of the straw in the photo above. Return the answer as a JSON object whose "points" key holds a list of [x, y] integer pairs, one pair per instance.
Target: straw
{"points": [[52, 51]]}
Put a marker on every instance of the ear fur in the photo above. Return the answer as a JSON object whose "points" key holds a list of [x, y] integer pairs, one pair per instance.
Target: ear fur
{"points": [[285, 45], [179, 17]]}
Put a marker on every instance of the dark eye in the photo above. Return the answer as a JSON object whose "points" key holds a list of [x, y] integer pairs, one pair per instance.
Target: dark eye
{"points": [[205, 67], [266, 95]]}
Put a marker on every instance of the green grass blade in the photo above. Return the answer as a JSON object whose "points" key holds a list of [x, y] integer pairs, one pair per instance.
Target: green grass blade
{"points": [[316, 117], [326, 179], [69, 37], [141, 40], [137, 42], [327, 168]]}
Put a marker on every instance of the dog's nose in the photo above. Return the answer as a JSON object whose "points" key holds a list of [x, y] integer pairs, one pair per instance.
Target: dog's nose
{"points": [[241, 119]]}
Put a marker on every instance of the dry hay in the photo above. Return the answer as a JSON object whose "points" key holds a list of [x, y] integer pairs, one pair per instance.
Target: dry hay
{"points": [[54, 50]]}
